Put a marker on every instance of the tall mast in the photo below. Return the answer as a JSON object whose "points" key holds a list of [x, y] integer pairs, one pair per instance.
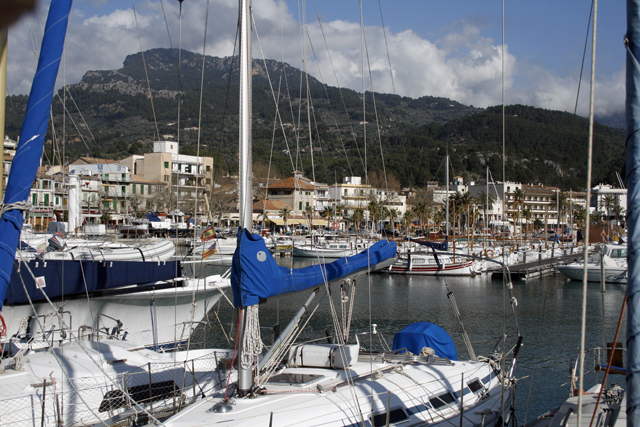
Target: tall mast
{"points": [[447, 201], [632, 42], [246, 193], [245, 370]]}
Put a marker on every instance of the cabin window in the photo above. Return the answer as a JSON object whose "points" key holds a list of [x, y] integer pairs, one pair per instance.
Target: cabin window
{"points": [[417, 260], [442, 400], [475, 386], [395, 416]]}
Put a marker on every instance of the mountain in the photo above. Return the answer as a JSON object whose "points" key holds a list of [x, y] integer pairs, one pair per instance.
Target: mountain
{"points": [[114, 118]]}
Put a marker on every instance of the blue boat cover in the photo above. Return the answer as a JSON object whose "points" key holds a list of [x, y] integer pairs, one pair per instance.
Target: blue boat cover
{"points": [[98, 276], [153, 217], [425, 334], [444, 246], [255, 274], [34, 128]]}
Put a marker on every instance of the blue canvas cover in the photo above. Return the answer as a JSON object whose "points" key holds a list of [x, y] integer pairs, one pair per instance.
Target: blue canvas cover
{"points": [[98, 276], [255, 274], [425, 334]]}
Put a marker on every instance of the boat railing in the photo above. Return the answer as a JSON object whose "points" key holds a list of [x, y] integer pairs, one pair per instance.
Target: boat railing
{"points": [[158, 388]]}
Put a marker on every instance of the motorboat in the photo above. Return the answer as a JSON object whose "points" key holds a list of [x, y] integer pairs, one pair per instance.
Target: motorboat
{"points": [[611, 260]]}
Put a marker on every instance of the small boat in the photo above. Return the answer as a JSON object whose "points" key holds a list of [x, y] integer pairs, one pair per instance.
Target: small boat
{"points": [[135, 228], [435, 263], [161, 250], [612, 260]]}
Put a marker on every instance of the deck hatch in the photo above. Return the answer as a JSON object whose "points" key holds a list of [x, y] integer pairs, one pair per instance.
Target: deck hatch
{"points": [[395, 416], [294, 379], [475, 385]]}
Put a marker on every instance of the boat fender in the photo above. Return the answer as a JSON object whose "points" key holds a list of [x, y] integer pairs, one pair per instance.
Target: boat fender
{"points": [[603, 234], [571, 236], [488, 253]]}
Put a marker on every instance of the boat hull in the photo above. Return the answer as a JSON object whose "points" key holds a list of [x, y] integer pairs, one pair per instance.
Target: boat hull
{"points": [[611, 274]]}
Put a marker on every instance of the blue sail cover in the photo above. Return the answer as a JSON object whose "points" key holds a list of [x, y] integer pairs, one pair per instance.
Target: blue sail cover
{"points": [[425, 334], [444, 246], [34, 127], [633, 212], [255, 274], [81, 277]]}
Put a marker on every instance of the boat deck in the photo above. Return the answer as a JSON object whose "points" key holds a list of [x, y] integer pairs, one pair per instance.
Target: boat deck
{"points": [[539, 267]]}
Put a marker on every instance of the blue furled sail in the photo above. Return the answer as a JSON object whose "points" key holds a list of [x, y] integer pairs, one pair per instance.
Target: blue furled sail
{"points": [[79, 277], [255, 274], [444, 246], [633, 211], [34, 127]]}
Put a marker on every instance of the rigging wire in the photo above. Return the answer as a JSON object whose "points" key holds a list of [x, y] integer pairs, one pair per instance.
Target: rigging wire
{"points": [[583, 325], [584, 54], [146, 73]]}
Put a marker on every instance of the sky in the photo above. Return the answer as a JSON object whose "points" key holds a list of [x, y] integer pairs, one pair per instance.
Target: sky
{"points": [[449, 49]]}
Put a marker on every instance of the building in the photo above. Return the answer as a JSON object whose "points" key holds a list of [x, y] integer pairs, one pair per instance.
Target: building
{"points": [[603, 195], [186, 176], [296, 192], [352, 194]]}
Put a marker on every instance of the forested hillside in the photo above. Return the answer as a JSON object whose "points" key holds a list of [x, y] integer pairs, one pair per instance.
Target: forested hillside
{"points": [[407, 138]]}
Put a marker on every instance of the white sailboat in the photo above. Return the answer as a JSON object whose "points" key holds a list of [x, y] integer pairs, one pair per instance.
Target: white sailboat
{"points": [[418, 380]]}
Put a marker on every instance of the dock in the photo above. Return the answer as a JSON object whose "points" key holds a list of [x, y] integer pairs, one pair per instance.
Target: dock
{"points": [[539, 267]]}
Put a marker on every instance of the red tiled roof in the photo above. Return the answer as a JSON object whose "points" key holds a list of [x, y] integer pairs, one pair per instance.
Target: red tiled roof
{"points": [[291, 183], [270, 205]]}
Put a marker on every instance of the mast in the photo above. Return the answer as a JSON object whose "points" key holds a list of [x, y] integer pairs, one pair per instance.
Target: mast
{"points": [[245, 371], [632, 42], [447, 201]]}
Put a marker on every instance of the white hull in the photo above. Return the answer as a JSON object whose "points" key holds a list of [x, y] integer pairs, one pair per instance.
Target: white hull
{"points": [[323, 397], [611, 274], [162, 250], [173, 313], [309, 252]]}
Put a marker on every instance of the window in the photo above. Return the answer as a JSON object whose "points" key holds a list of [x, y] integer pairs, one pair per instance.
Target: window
{"points": [[124, 176], [442, 400], [395, 416], [166, 178], [134, 189], [34, 199], [141, 188], [46, 200], [166, 165], [106, 176], [124, 189], [57, 201], [208, 168], [105, 204], [307, 204], [115, 205], [299, 206]]}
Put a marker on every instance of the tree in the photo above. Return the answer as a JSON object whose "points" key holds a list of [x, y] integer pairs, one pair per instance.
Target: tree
{"points": [[561, 204], [518, 203], [407, 219], [284, 213], [608, 202]]}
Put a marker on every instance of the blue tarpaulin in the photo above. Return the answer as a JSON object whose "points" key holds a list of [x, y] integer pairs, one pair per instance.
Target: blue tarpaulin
{"points": [[255, 274], [425, 334]]}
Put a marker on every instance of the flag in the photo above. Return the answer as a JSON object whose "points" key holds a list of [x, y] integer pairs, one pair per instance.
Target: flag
{"points": [[211, 251], [208, 234]]}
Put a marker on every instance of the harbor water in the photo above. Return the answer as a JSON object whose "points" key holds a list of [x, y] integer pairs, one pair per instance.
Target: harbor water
{"points": [[548, 317]]}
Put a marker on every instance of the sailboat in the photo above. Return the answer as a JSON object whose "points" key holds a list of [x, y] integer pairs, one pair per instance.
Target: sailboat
{"points": [[81, 377], [418, 380]]}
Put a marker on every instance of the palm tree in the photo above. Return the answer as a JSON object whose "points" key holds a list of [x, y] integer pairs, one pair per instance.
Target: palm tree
{"points": [[308, 211], [561, 205], [527, 214], [407, 219], [438, 217], [579, 216], [265, 217], [375, 210], [487, 204], [422, 211], [518, 203], [608, 202], [284, 213], [393, 213]]}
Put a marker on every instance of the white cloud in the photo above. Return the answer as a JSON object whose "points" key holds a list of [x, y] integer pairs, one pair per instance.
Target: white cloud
{"points": [[462, 64]]}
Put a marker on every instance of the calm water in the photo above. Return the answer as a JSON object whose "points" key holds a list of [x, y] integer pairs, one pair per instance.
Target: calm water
{"points": [[548, 313]]}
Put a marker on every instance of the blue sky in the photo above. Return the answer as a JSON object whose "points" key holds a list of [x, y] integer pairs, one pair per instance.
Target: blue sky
{"points": [[437, 48]]}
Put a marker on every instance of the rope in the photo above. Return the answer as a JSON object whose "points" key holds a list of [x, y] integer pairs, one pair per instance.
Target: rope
{"points": [[21, 206]]}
